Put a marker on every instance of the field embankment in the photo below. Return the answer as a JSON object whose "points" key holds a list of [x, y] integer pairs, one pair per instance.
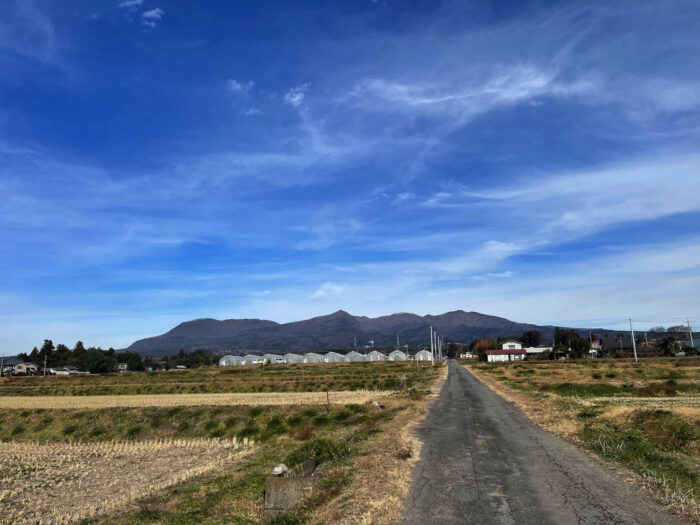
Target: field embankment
{"points": [[643, 416]]}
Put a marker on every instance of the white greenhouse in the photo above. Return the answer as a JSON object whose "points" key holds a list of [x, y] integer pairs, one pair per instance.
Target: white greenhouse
{"points": [[310, 357], [231, 360], [374, 355], [424, 355], [251, 359], [355, 356], [294, 358], [398, 355], [334, 357], [274, 359]]}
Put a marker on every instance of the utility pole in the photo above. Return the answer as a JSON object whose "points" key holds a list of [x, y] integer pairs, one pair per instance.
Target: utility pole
{"points": [[690, 332], [45, 357], [354, 339], [646, 341], [432, 345], [634, 344], [397, 342], [2, 365]]}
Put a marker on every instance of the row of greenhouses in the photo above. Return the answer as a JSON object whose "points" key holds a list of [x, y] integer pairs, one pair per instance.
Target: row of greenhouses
{"points": [[328, 357]]}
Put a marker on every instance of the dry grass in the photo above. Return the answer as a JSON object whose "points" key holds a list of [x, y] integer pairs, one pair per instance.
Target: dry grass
{"points": [[172, 400], [383, 472], [68, 482]]}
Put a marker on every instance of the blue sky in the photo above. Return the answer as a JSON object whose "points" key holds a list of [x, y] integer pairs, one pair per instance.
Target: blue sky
{"points": [[168, 160]]}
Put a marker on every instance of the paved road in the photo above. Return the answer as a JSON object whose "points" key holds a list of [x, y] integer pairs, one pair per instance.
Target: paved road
{"points": [[484, 462]]}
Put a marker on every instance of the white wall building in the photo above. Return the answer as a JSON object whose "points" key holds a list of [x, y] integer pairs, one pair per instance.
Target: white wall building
{"points": [[334, 357], [294, 358], [252, 359], [355, 356], [512, 345], [424, 355], [231, 360], [398, 355], [310, 357], [505, 355], [274, 359], [375, 355]]}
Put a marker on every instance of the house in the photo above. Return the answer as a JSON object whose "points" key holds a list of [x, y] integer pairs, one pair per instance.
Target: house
{"points": [[122, 367], [511, 345], [334, 357], [355, 356], [252, 359], [596, 349], [694, 343], [535, 352], [398, 355], [467, 355], [423, 355], [274, 359], [293, 358], [231, 360], [310, 357], [24, 369], [511, 354], [375, 355]]}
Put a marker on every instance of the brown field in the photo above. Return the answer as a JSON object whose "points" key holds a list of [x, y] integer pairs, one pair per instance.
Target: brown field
{"points": [[69, 482], [173, 400]]}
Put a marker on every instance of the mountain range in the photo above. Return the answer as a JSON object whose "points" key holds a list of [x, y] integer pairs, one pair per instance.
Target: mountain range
{"points": [[335, 331]]}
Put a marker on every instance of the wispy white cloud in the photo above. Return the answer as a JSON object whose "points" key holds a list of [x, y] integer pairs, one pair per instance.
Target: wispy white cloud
{"points": [[152, 16], [328, 289], [131, 3], [237, 86], [295, 96]]}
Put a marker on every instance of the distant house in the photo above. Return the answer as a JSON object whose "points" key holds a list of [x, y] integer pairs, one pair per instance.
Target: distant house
{"points": [[355, 356], [294, 358], [535, 352], [398, 355], [511, 345], [423, 355], [122, 367], [310, 357], [334, 357], [375, 355], [511, 354], [231, 360], [24, 369], [695, 343], [274, 359], [252, 359], [596, 349]]}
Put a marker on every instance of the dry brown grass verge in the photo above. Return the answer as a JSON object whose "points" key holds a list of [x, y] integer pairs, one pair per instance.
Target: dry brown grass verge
{"points": [[383, 471]]}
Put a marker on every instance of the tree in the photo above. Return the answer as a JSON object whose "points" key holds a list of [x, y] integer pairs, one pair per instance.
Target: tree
{"points": [[531, 338], [132, 359], [452, 350], [481, 346]]}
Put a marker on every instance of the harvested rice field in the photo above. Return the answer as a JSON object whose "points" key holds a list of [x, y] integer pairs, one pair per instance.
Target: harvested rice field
{"points": [[173, 400], [69, 482]]}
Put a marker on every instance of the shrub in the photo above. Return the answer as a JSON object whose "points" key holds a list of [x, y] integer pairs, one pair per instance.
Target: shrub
{"points": [[276, 424], [133, 431], [184, 426], [596, 375], [322, 449], [16, 430], [250, 429], [611, 374], [69, 429], [304, 433]]}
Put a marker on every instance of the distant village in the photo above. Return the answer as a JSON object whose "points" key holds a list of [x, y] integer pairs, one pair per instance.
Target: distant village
{"points": [[676, 341]]}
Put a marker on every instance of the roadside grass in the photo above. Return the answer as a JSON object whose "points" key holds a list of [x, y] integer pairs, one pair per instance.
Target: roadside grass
{"points": [[384, 375], [621, 410]]}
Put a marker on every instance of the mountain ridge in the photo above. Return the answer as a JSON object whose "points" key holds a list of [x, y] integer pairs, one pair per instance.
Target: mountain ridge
{"points": [[337, 330]]}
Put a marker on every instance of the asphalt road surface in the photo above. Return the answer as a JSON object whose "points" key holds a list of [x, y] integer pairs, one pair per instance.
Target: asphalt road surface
{"points": [[484, 462]]}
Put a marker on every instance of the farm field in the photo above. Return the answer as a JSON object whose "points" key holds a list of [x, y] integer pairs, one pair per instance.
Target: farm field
{"points": [[172, 400], [208, 463], [68, 482], [240, 379], [645, 416]]}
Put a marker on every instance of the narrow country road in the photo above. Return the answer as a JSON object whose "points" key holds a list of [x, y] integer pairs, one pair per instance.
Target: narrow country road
{"points": [[484, 462]]}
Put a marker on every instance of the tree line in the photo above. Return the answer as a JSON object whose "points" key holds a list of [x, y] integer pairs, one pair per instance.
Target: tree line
{"points": [[94, 360]]}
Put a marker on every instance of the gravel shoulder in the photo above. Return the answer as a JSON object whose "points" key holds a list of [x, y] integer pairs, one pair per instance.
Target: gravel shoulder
{"points": [[484, 462]]}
